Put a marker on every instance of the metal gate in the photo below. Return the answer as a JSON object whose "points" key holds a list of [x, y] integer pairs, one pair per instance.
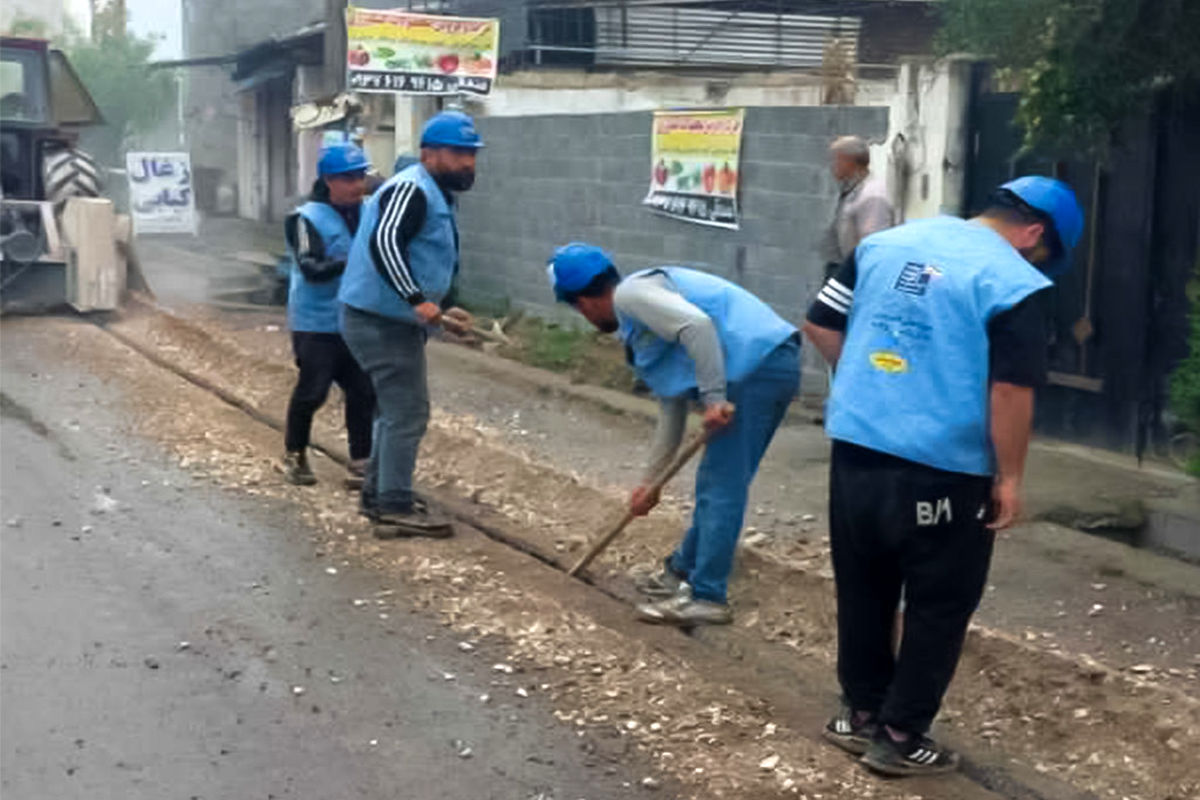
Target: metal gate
{"points": [[1119, 317]]}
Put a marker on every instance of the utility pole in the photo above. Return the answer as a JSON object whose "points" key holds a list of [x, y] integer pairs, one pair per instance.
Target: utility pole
{"points": [[335, 46]]}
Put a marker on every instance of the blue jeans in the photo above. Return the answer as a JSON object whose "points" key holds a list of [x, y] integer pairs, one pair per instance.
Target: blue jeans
{"points": [[705, 556], [392, 353]]}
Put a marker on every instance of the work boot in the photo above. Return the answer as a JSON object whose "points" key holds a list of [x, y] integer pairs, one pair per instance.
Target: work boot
{"points": [[407, 524], [296, 470], [916, 755], [419, 505], [356, 471], [684, 611], [661, 585]]}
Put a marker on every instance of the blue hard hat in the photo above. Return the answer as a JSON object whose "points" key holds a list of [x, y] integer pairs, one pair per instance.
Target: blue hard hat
{"points": [[451, 129], [338, 159], [1056, 200], [574, 266]]}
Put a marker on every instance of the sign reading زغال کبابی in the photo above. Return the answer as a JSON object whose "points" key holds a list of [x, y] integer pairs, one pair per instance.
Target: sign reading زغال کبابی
{"points": [[161, 198], [395, 51], [694, 165]]}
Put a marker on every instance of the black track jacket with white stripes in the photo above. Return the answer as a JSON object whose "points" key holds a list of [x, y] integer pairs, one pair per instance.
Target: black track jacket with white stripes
{"points": [[402, 209]]}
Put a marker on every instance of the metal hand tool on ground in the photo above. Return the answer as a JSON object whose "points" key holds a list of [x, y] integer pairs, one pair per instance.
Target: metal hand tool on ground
{"points": [[611, 533]]}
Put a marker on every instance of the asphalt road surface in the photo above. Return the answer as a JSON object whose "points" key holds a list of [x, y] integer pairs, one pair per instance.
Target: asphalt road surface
{"points": [[162, 638]]}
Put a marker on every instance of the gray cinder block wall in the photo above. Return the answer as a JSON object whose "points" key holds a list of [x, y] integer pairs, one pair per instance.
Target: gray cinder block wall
{"points": [[546, 180]]}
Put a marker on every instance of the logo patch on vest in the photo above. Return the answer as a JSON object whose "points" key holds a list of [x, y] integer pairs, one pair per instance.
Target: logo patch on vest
{"points": [[889, 362], [915, 278]]}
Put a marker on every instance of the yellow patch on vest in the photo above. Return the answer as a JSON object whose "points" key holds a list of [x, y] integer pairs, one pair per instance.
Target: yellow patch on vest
{"points": [[889, 362]]}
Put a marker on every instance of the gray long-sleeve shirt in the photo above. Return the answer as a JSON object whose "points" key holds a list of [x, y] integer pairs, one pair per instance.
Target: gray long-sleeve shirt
{"points": [[654, 301], [863, 208]]}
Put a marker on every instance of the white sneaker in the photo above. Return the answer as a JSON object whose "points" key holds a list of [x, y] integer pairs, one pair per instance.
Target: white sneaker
{"points": [[684, 611]]}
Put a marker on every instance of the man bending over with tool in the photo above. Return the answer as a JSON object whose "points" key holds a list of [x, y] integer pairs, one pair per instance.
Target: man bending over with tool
{"points": [[691, 335]]}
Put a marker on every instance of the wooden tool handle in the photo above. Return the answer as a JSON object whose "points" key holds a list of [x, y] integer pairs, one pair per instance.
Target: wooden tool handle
{"points": [[605, 539]]}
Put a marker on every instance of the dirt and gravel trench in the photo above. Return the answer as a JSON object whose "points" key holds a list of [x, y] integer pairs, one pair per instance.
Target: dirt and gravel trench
{"points": [[729, 712]]}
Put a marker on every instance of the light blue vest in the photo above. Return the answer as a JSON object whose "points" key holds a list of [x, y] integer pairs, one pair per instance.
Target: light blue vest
{"points": [[912, 380], [747, 327], [432, 253], [313, 306]]}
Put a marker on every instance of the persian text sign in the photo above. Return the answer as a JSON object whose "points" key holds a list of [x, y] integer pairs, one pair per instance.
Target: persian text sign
{"points": [[161, 199], [395, 51], [694, 165]]}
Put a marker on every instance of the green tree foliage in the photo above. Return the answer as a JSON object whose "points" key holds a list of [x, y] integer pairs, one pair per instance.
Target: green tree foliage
{"points": [[132, 98], [1185, 382], [1082, 66], [26, 26]]}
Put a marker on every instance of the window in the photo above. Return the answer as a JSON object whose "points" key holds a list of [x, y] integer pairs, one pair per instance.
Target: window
{"points": [[12, 89], [22, 86]]}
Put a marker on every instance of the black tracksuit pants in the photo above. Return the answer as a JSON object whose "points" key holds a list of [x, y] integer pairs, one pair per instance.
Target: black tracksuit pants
{"points": [[895, 523], [324, 359]]}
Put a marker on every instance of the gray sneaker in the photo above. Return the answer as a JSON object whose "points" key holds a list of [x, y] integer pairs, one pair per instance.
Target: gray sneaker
{"points": [[407, 524], [296, 470], [685, 612], [662, 585]]}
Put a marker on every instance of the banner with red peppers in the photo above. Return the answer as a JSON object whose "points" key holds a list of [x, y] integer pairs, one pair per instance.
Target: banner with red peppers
{"points": [[395, 51], [694, 165]]}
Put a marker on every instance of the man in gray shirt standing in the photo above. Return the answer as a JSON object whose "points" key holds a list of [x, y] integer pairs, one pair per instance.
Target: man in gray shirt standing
{"points": [[863, 206], [693, 336]]}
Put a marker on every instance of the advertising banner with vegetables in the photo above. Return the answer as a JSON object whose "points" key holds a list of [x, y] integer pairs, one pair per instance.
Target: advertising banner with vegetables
{"points": [[694, 165], [395, 51]]}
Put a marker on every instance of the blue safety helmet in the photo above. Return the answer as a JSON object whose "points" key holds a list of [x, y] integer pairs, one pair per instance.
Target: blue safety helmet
{"points": [[339, 159], [1055, 201], [451, 129], [574, 266]]}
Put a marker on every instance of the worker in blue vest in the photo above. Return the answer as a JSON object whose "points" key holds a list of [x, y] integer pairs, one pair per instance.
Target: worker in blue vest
{"points": [[402, 264], [692, 336], [937, 331], [319, 234]]}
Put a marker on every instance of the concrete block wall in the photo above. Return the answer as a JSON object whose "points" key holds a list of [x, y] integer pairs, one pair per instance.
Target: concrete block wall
{"points": [[546, 180]]}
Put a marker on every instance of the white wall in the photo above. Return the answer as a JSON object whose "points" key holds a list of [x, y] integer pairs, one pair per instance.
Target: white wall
{"points": [[250, 184], [922, 159], [577, 92], [927, 137]]}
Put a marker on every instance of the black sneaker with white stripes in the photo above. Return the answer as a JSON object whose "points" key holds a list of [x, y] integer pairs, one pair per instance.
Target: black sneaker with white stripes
{"points": [[843, 732], [917, 755]]}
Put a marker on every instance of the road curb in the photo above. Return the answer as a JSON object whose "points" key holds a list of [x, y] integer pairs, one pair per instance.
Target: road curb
{"points": [[610, 400]]}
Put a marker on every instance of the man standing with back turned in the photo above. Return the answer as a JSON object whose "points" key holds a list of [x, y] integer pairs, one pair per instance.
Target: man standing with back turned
{"points": [[402, 265], [938, 336]]}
